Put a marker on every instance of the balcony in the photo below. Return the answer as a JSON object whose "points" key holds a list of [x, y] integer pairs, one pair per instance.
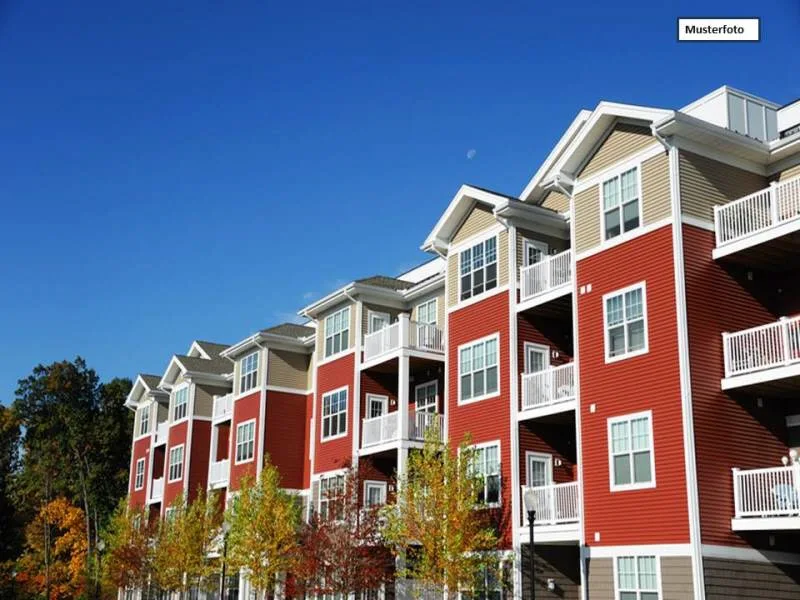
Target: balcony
{"points": [[223, 408], [386, 428], [767, 357], [558, 512], [157, 489], [759, 219], [218, 473], [549, 391], [546, 280], [161, 433], [766, 499], [421, 338]]}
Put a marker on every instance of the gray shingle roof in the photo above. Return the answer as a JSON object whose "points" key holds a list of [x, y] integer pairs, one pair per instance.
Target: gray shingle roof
{"points": [[291, 330], [216, 365], [391, 283], [150, 381], [211, 348]]}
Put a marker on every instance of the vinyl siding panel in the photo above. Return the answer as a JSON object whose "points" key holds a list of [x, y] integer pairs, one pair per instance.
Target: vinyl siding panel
{"points": [[656, 201], [288, 369], [553, 333], [198, 461], [336, 453], [321, 327], [440, 306], [477, 220], [623, 141], [286, 417], [789, 173], [560, 563], [367, 308], [749, 435], [554, 244], [140, 449], [600, 576], [705, 183], [204, 399], [453, 267], [245, 408], [556, 201], [178, 435], [647, 382], [734, 579], [587, 219], [676, 577]]}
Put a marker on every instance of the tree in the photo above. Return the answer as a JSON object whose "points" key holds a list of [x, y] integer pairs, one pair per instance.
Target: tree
{"points": [[54, 562], [129, 551], [342, 551], [184, 541], [264, 523], [434, 527], [10, 538]]}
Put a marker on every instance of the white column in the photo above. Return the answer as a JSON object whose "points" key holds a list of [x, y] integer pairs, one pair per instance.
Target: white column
{"points": [[403, 376]]}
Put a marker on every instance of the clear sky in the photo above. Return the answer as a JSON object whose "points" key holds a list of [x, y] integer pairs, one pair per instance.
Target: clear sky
{"points": [[171, 173]]}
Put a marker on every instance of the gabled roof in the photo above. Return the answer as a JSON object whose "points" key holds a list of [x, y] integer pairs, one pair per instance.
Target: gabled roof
{"points": [[215, 366], [383, 281], [144, 384], [290, 330], [151, 381], [211, 349]]}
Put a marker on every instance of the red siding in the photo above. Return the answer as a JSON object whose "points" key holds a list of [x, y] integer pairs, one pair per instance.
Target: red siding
{"points": [[647, 382], [555, 334], [198, 467], [245, 408], [140, 449], [177, 436], [486, 420], [337, 453], [307, 441], [381, 467], [728, 432], [286, 416], [382, 384], [556, 439], [223, 441]]}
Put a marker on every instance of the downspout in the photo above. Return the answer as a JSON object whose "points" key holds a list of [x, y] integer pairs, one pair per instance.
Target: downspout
{"points": [[262, 422], [356, 429]]}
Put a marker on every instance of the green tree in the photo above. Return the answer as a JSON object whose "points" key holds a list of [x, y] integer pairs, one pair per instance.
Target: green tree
{"points": [[263, 536], [128, 555], [10, 518]]}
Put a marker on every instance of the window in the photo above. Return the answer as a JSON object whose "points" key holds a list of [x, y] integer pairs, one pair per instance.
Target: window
{"points": [[337, 332], [631, 444], [138, 482], [331, 490], [478, 268], [248, 372], [637, 578], [426, 312], [334, 414], [181, 404], [374, 493], [144, 420], [487, 585], [176, 463], [377, 321], [621, 203], [533, 251], [425, 397], [486, 465], [477, 369], [169, 513], [625, 314], [245, 441], [377, 405]]}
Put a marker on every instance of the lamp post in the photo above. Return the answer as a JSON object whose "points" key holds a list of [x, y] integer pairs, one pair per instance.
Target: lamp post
{"points": [[101, 545], [226, 527], [529, 498]]}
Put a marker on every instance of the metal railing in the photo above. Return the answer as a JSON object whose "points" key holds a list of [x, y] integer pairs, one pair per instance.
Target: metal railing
{"points": [[548, 387], [161, 433], [773, 492], [422, 421], [223, 407], [556, 503], [380, 429], [548, 274], [764, 347], [770, 207], [403, 334], [157, 489], [218, 472]]}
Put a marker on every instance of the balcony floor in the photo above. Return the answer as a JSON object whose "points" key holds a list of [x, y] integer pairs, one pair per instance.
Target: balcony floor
{"points": [[766, 524], [565, 533], [546, 411], [781, 382], [775, 249], [555, 303]]}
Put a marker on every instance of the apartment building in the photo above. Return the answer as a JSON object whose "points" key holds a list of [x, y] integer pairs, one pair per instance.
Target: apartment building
{"points": [[621, 341]]}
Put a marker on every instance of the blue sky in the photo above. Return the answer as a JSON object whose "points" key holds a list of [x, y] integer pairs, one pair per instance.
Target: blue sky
{"points": [[201, 171]]}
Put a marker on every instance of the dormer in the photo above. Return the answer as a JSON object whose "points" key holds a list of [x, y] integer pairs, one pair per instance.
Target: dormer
{"points": [[149, 404]]}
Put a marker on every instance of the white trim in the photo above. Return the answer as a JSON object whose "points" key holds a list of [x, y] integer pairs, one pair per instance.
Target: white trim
{"points": [[187, 453], [435, 383], [621, 292], [325, 335], [184, 385], [615, 567], [475, 238], [288, 390], [435, 301], [635, 233], [334, 357], [639, 550], [631, 486], [499, 472], [240, 374], [377, 313], [750, 554], [765, 524], [355, 441], [494, 336], [475, 299], [169, 462], [773, 374], [548, 458], [340, 434], [384, 400], [617, 174], [368, 483], [534, 346], [541, 246], [699, 223], [755, 239], [136, 474], [715, 154], [631, 161], [262, 419], [482, 242], [236, 444]]}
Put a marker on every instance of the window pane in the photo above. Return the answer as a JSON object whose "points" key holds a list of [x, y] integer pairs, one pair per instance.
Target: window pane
{"points": [[622, 469], [610, 193], [491, 380], [636, 336], [491, 352], [616, 341], [755, 120], [493, 489], [491, 250], [628, 596], [647, 573], [612, 224], [614, 310], [466, 360], [477, 282], [630, 215], [736, 119], [477, 256], [619, 437], [477, 356], [640, 432], [478, 383], [466, 287], [630, 185], [626, 568], [466, 261], [466, 387], [641, 467], [491, 276], [633, 304]]}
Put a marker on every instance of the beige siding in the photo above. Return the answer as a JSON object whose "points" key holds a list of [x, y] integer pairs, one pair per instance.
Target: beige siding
{"points": [[502, 268], [587, 219], [439, 295], [479, 219], [656, 201], [623, 141], [310, 373], [601, 579], [452, 279], [162, 412], [705, 183], [365, 310], [287, 369], [554, 244], [137, 419], [556, 201], [321, 327], [788, 173], [204, 399], [734, 579], [676, 577]]}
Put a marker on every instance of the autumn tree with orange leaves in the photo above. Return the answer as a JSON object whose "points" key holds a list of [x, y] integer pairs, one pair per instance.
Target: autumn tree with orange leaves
{"points": [[129, 552]]}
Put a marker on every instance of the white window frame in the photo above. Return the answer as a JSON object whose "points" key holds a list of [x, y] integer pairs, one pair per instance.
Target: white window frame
{"points": [[472, 343], [372, 484], [336, 475], [339, 434], [248, 380], [648, 414], [539, 347], [427, 384], [344, 340], [659, 587], [144, 418], [385, 316], [499, 502], [170, 478], [382, 398], [469, 248], [607, 349], [435, 312], [546, 458], [617, 174], [543, 247], [244, 443], [138, 480], [178, 390]]}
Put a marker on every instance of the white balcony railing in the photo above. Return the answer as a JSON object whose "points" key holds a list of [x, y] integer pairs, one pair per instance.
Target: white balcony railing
{"points": [[223, 407], [765, 347], [548, 387], [422, 421], [556, 504], [403, 334], [161, 433], [551, 273], [767, 208], [157, 489], [218, 472], [378, 430], [773, 492]]}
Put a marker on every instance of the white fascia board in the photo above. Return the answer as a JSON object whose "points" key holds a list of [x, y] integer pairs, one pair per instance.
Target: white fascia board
{"points": [[535, 217], [766, 524], [335, 297], [168, 378], [426, 287], [246, 344], [132, 400], [197, 351]]}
